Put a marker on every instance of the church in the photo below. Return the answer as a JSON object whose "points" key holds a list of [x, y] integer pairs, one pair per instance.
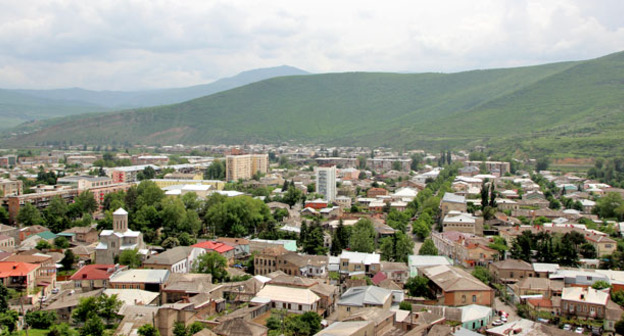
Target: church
{"points": [[113, 242]]}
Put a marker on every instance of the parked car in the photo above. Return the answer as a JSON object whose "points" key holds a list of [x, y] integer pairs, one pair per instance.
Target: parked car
{"points": [[567, 327], [579, 330], [55, 290], [498, 323]]}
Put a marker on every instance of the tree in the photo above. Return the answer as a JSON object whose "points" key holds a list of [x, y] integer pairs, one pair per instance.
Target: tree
{"points": [[484, 195], [4, 215], [521, 246], [93, 326], [292, 196], [131, 258], [212, 263], [56, 214], [61, 242], [40, 319], [68, 260], [397, 248], [428, 248], [492, 195], [601, 284], [29, 215], [85, 203], [85, 307], [419, 286], [542, 163], [43, 245], [606, 205], [363, 236], [4, 298], [482, 274], [8, 319], [108, 307], [315, 241], [179, 329], [421, 229], [148, 330], [62, 329], [170, 242], [216, 171], [588, 251]]}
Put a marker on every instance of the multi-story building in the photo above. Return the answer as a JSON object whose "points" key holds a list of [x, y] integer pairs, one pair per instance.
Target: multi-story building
{"points": [[326, 182], [40, 200], [85, 182], [245, 166], [337, 161], [127, 174], [389, 163], [11, 188], [496, 168], [452, 202], [100, 192], [354, 263], [120, 238]]}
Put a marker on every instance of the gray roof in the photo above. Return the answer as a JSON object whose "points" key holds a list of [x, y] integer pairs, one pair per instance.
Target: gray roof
{"points": [[171, 256], [370, 295], [452, 198]]}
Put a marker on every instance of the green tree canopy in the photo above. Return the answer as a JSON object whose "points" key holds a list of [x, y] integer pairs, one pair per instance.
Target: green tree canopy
{"points": [[363, 236], [212, 263], [428, 248]]}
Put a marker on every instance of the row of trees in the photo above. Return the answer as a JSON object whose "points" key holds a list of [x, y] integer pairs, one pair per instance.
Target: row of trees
{"points": [[548, 248], [59, 215]]}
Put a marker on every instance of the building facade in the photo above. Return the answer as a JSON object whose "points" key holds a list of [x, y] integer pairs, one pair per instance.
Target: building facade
{"points": [[326, 182]]}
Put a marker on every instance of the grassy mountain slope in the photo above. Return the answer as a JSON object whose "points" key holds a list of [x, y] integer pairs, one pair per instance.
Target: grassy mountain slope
{"points": [[577, 105], [120, 99], [16, 108]]}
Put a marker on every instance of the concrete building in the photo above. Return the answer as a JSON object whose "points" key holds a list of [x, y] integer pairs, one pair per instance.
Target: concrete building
{"points": [[326, 182], [11, 188], [245, 166]]}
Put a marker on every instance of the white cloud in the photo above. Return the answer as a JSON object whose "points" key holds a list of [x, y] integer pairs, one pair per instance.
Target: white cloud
{"points": [[141, 44]]}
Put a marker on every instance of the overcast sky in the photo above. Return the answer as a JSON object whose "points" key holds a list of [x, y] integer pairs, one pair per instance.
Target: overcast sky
{"points": [[132, 45]]}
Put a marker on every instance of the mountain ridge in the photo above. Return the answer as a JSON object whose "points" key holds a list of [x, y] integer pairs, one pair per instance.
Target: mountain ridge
{"points": [[520, 107]]}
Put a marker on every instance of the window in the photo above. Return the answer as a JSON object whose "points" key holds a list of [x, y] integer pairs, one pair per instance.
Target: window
{"points": [[348, 309], [474, 298], [300, 307], [463, 298]]}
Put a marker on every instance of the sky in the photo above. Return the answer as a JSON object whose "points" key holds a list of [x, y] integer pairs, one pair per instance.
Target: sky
{"points": [[147, 44]]}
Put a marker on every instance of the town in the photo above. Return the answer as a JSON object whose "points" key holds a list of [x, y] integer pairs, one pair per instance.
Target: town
{"points": [[307, 240]]}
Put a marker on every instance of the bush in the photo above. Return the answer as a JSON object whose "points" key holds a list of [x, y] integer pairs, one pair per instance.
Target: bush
{"points": [[40, 319], [404, 305]]}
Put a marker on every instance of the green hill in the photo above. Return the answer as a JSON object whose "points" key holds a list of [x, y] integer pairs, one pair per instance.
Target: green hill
{"points": [[576, 106]]}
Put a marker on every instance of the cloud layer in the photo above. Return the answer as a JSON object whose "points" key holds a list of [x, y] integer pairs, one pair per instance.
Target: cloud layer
{"points": [[132, 45]]}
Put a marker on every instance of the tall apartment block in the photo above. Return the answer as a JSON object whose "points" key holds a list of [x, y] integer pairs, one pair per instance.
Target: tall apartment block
{"points": [[326, 181], [245, 166]]}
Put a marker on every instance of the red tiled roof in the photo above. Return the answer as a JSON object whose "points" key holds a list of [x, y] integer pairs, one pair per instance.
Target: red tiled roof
{"points": [[93, 272], [378, 278], [11, 269], [217, 247], [542, 303]]}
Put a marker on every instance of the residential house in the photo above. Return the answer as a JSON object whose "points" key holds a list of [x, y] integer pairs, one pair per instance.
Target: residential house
{"points": [[395, 271], [180, 259], [510, 270], [223, 249], [451, 202], [349, 328], [584, 302], [603, 244], [240, 327], [357, 299], [19, 275], [456, 287], [179, 286], [45, 275], [357, 263], [83, 234], [240, 245], [381, 318], [292, 299], [146, 279], [10, 231], [66, 303], [7, 243], [134, 317], [96, 276], [416, 261], [327, 293]]}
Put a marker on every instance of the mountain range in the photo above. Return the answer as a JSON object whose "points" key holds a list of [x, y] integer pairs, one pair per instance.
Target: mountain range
{"points": [[574, 108], [18, 106]]}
